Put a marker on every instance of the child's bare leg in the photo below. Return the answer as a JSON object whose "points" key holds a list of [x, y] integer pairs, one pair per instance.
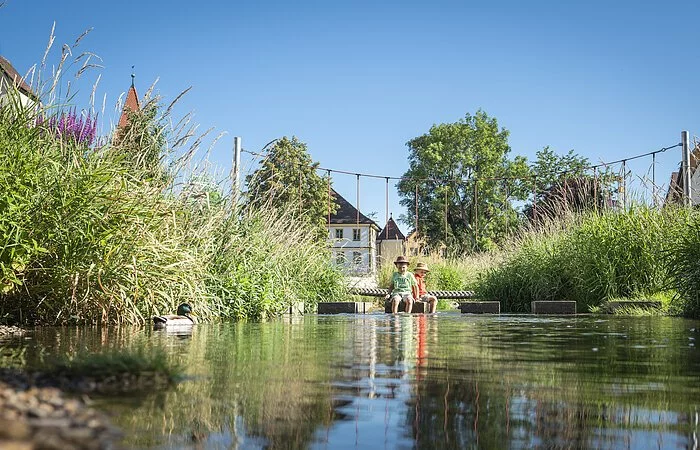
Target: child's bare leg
{"points": [[395, 300], [432, 301], [409, 303]]}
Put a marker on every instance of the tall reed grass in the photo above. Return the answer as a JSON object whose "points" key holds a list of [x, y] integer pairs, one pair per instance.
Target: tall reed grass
{"points": [[683, 262], [100, 234], [588, 258]]}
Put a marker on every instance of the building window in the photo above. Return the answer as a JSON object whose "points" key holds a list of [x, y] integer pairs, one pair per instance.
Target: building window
{"points": [[340, 258], [355, 234], [356, 258], [339, 233]]}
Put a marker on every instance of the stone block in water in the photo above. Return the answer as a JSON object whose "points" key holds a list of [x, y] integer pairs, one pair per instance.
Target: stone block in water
{"points": [[553, 307], [480, 307], [418, 307], [344, 307]]}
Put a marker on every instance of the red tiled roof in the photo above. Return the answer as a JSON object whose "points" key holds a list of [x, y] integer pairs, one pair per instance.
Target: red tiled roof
{"points": [[7, 68], [131, 104]]}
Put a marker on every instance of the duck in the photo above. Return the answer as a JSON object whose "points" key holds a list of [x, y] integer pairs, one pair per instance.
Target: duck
{"points": [[184, 317]]}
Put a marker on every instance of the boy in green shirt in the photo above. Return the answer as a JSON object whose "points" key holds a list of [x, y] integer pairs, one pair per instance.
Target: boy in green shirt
{"points": [[404, 287]]}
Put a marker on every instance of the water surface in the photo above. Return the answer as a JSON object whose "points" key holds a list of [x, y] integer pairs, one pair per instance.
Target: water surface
{"points": [[421, 381]]}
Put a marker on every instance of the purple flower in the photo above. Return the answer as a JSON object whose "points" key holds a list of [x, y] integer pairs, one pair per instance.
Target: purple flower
{"points": [[78, 127]]}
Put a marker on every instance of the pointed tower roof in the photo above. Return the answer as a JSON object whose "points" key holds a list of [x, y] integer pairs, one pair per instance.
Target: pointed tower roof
{"points": [[132, 104], [391, 232]]}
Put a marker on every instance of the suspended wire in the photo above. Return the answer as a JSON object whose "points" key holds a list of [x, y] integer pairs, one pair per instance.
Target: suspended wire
{"points": [[471, 180]]}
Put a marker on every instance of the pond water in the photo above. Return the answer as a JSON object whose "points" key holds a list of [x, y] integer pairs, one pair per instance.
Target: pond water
{"points": [[421, 381]]}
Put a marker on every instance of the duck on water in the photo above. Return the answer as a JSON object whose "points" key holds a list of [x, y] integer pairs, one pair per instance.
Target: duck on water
{"points": [[184, 317]]}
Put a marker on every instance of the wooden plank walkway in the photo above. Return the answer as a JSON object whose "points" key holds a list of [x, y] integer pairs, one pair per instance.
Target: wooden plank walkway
{"points": [[377, 292]]}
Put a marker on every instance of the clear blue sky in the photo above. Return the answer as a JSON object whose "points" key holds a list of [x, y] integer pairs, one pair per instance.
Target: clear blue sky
{"points": [[357, 80]]}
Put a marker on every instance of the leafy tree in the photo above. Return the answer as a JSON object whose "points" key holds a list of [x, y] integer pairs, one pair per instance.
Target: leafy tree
{"points": [[453, 209], [565, 184], [288, 178]]}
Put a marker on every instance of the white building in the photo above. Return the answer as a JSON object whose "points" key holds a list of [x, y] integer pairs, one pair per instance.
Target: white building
{"points": [[11, 80], [354, 238]]}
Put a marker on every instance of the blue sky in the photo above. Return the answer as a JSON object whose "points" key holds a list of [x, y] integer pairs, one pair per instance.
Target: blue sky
{"points": [[357, 80]]}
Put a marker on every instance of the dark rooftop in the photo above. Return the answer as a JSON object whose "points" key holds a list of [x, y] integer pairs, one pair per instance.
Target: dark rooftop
{"points": [[12, 74], [347, 214], [391, 232]]}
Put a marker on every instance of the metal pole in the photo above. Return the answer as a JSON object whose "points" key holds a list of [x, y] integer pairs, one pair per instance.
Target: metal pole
{"points": [[687, 191], [358, 198], [386, 201], [624, 185], [236, 182], [566, 192], [505, 205], [329, 201], [595, 189], [446, 214], [416, 218], [534, 197], [653, 179], [476, 214]]}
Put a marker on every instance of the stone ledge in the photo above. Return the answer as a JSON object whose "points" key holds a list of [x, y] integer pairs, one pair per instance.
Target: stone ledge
{"points": [[553, 307], [480, 307], [418, 307], [344, 307]]}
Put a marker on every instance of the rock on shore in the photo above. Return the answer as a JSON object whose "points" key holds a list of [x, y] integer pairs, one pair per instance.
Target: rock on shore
{"points": [[43, 418]]}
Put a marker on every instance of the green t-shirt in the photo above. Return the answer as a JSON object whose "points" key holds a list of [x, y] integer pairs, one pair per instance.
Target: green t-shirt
{"points": [[401, 284]]}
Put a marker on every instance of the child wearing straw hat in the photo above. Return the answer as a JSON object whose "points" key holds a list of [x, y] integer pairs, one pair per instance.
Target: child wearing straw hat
{"points": [[419, 274], [404, 287]]}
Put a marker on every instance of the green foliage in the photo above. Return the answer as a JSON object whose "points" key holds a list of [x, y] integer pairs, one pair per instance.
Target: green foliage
{"points": [[287, 179], [476, 216], [588, 259], [119, 232], [683, 259], [563, 185]]}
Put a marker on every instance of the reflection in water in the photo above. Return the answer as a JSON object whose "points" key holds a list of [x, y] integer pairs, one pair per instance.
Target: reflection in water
{"points": [[414, 381]]}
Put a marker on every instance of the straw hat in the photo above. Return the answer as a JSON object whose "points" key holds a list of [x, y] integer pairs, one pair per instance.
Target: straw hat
{"points": [[401, 260], [422, 266]]}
